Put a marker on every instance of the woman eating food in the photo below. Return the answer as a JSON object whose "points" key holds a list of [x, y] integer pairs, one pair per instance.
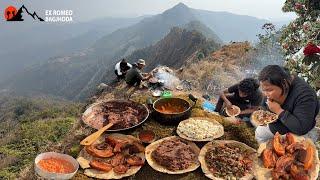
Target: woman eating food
{"points": [[292, 99]]}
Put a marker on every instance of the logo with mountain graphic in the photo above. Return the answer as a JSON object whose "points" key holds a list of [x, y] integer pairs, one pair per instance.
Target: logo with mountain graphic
{"points": [[12, 14]]}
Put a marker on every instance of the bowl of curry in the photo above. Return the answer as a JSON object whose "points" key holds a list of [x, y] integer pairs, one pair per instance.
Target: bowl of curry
{"points": [[171, 110]]}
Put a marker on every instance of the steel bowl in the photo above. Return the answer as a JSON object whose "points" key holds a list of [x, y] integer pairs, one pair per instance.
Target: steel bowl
{"points": [[50, 175]]}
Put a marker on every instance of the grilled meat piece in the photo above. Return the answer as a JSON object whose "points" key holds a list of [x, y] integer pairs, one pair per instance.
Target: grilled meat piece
{"points": [[300, 155], [277, 145], [301, 176], [284, 163], [121, 169], [294, 147], [269, 158], [289, 139], [136, 147], [117, 160], [102, 166], [281, 174], [308, 161], [117, 143], [134, 161], [100, 150], [298, 172]]}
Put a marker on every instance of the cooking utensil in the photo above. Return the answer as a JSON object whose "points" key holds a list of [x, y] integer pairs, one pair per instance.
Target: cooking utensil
{"points": [[94, 117], [94, 136], [174, 117]]}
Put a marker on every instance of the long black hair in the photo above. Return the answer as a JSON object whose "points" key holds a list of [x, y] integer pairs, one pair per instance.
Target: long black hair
{"points": [[276, 75]]}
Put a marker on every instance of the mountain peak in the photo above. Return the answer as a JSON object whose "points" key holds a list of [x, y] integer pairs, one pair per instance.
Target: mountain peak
{"points": [[181, 5], [178, 8], [180, 11]]}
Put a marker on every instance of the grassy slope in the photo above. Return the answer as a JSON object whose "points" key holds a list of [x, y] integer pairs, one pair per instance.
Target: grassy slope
{"points": [[29, 126]]}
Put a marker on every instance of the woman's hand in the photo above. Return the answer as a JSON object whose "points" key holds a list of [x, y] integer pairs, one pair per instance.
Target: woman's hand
{"points": [[274, 106]]}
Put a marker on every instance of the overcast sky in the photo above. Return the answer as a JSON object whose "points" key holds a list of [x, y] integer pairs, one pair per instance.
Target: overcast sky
{"points": [[85, 10]]}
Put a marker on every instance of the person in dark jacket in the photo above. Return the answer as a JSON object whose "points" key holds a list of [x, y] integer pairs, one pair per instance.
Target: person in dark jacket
{"points": [[246, 95], [135, 76], [292, 99]]}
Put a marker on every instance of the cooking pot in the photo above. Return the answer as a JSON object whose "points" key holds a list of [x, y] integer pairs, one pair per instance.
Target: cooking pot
{"points": [[171, 110], [94, 116]]}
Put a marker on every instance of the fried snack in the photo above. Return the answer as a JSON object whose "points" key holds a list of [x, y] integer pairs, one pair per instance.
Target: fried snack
{"points": [[277, 146]]}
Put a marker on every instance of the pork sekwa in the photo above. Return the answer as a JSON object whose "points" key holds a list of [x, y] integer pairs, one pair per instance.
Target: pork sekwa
{"points": [[123, 114], [290, 159], [112, 157], [174, 154]]}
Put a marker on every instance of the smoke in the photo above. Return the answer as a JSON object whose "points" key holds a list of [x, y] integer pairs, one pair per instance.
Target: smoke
{"points": [[166, 76], [263, 55]]}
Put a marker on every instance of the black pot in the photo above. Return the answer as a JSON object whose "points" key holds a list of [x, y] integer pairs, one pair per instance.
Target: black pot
{"points": [[171, 118]]}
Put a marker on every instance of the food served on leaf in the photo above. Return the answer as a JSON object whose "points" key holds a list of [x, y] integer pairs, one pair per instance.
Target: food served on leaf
{"points": [[288, 157], [200, 129], [124, 114], [112, 156], [227, 160], [262, 117], [233, 111], [173, 155]]}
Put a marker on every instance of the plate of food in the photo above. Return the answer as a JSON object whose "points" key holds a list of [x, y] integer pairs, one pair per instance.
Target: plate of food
{"points": [[262, 117], [233, 111], [228, 159], [130, 114], [112, 156], [200, 129], [173, 155], [51, 165], [288, 157]]}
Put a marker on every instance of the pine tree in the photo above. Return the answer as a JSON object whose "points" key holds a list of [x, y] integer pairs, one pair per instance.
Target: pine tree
{"points": [[299, 36]]}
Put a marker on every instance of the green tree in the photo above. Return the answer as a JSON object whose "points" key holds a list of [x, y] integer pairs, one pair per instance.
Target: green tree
{"points": [[267, 50], [298, 34]]}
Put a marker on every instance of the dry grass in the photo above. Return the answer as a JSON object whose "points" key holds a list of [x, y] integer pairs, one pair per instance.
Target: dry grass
{"points": [[211, 76], [218, 71]]}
